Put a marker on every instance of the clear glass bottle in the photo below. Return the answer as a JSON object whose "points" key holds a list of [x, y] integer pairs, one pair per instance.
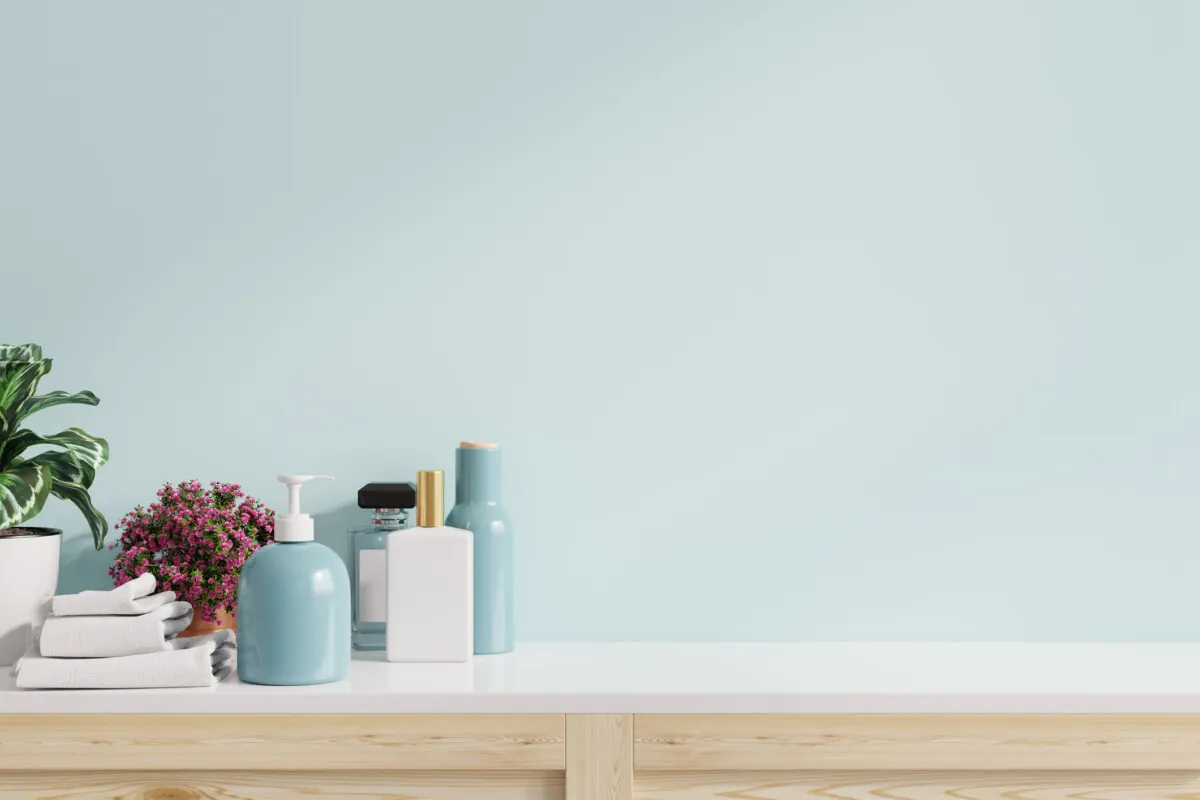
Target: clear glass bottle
{"points": [[390, 503]]}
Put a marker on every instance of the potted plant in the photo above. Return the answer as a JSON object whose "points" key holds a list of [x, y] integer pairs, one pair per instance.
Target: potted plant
{"points": [[29, 555], [195, 540]]}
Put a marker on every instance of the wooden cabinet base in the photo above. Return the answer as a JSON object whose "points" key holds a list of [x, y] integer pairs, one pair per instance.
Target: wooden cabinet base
{"points": [[918, 785], [599, 757], [282, 785], [917, 757]]}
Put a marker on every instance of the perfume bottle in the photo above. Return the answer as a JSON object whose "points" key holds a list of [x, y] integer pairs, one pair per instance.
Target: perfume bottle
{"points": [[429, 584], [390, 503]]}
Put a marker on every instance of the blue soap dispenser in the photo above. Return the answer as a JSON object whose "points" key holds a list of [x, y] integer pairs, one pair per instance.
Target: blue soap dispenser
{"points": [[293, 608]]}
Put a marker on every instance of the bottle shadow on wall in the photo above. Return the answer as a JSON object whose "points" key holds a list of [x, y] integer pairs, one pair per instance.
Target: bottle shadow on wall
{"points": [[331, 528], [81, 566]]}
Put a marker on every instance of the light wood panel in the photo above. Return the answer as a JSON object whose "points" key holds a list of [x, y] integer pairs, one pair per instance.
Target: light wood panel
{"points": [[270, 742], [917, 785], [893, 741], [221, 785], [599, 757]]}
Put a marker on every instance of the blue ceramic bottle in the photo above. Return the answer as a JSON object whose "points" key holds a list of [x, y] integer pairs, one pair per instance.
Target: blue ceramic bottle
{"points": [[294, 605], [477, 509]]}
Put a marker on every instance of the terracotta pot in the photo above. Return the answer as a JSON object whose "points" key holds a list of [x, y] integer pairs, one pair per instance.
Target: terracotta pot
{"points": [[199, 627]]}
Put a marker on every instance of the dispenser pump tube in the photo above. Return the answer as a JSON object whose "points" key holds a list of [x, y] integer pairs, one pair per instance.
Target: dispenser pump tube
{"points": [[295, 526]]}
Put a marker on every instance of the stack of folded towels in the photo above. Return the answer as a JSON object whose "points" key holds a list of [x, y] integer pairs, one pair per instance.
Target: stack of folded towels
{"points": [[122, 639]]}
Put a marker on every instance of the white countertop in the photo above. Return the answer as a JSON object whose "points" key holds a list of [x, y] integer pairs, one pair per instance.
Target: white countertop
{"points": [[707, 678]]}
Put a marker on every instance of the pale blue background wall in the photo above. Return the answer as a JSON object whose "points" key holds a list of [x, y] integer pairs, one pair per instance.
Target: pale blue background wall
{"points": [[798, 320]]}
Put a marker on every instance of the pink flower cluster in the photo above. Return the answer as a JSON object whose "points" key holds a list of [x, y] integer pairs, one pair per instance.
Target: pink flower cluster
{"points": [[195, 540]]}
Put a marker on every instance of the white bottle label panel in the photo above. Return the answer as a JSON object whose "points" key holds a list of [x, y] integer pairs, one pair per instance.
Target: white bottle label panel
{"points": [[372, 586]]}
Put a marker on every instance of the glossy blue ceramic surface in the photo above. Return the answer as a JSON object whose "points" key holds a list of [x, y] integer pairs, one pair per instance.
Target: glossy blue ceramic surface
{"points": [[293, 616], [477, 509]]}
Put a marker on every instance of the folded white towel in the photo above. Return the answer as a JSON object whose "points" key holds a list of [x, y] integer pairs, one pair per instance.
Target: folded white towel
{"points": [[196, 661], [222, 639], [135, 597], [102, 637]]}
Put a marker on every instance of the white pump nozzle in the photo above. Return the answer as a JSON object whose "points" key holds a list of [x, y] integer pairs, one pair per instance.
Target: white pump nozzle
{"points": [[294, 526]]}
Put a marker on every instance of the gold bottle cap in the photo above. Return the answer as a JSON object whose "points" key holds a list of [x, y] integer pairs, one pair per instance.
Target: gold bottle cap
{"points": [[430, 485], [477, 445]]}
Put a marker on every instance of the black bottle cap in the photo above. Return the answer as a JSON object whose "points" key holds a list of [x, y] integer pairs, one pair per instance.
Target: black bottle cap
{"points": [[387, 495]]}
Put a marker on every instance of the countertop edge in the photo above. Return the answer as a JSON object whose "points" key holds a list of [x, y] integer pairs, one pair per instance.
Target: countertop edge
{"points": [[209, 701]]}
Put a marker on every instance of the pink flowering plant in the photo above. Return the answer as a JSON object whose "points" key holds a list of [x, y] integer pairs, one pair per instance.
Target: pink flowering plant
{"points": [[195, 541]]}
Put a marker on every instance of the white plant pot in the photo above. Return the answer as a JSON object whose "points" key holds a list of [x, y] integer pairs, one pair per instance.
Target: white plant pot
{"points": [[28, 577]]}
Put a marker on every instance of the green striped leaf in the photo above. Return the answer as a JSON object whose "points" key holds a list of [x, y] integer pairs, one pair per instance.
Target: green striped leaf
{"points": [[19, 380], [20, 352], [43, 401], [77, 494], [63, 467], [66, 471], [23, 492], [87, 449]]}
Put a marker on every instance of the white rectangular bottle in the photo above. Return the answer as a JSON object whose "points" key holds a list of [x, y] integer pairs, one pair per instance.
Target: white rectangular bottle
{"points": [[430, 584]]}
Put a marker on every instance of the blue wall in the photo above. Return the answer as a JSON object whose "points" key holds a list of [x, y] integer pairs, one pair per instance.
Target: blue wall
{"points": [[862, 320]]}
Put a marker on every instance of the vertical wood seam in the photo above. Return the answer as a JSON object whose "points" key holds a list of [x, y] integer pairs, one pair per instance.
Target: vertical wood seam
{"points": [[599, 757]]}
